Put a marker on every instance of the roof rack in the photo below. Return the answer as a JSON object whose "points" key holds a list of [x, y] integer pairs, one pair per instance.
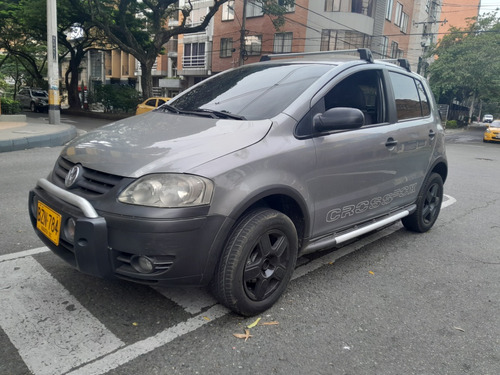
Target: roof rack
{"points": [[403, 63], [364, 54]]}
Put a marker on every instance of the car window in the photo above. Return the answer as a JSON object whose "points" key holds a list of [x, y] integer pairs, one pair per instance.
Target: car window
{"points": [[160, 102], [424, 99], [151, 102], [39, 93], [362, 90], [255, 92], [408, 98]]}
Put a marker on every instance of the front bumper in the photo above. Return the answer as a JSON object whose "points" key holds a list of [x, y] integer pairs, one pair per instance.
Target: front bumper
{"points": [[491, 137], [183, 251]]}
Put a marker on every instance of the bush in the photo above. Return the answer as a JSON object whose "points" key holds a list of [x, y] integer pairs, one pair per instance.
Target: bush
{"points": [[10, 106], [116, 98], [451, 124]]}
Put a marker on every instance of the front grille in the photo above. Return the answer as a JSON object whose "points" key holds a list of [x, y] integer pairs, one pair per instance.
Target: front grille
{"points": [[93, 183]]}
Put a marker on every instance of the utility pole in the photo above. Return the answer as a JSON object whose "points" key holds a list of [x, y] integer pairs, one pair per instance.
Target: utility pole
{"points": [[53, 64], [243, 33]]}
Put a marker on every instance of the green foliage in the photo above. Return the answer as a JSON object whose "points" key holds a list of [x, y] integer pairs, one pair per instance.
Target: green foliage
{"points": [[116, 98], [10, 106], [468, 63], [452, 124]]}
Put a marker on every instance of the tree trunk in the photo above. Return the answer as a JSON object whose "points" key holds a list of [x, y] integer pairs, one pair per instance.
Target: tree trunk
{"points": [[471, 109], [72, 84], [147, 78]]}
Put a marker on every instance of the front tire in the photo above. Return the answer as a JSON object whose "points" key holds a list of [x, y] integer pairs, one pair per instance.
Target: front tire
{"points": [[257, 262], [33, 107], [428, 205]]}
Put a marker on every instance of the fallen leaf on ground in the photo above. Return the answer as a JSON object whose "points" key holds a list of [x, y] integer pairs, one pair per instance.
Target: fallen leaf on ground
{"points": [[245, 335], [269, 323], [459, 329], [254, 323]]}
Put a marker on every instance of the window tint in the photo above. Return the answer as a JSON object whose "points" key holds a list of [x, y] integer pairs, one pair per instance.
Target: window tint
{"points": [[151, 102], [362, 90], [255, 91], [406, 95], [424, 99]]}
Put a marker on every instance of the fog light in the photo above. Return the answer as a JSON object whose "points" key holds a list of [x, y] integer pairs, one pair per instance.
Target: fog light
{"points": [[69, 229], [143, 264]]}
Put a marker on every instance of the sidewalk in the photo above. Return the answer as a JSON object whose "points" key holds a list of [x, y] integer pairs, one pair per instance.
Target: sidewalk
{"points": [[16, 133]]}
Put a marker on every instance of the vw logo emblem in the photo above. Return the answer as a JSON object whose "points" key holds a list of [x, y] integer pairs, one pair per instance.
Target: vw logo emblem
{"points": [[72, 176]]}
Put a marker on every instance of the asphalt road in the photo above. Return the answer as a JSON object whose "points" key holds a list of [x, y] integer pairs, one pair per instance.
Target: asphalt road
{"points": [[393, 302]]}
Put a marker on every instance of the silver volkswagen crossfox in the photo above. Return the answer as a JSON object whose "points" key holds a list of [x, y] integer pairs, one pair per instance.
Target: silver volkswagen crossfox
{"points": [[231, 181]]}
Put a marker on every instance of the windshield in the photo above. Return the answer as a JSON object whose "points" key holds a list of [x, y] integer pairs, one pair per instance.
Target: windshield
{"points": [[40, 93], [495, 124], [254, 92]]}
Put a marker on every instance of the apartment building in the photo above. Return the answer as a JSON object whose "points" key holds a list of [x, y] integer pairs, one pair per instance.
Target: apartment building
{"points": [[397, 27]]}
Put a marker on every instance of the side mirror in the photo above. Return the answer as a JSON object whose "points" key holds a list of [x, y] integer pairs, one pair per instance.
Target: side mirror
{"points": [[340, 118]]}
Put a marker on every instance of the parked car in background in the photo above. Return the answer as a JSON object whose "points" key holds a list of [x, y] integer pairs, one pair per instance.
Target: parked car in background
{"points": [[150, 104], [492, 132], [37, 100], [488, 118]]}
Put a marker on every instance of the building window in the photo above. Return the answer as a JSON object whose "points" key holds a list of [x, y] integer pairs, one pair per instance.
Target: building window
{"points": [[254, 9], [388, 10], [194, 55], [332, 5], [289, 8], [253, 45], [332, 40], [226, 47], [282, 42], [397, 16], [228, 11], [394, 50], [385, 46], [404, 22]]}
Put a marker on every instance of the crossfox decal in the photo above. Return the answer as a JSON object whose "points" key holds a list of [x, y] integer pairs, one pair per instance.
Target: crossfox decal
{"points": [[349, 210]]}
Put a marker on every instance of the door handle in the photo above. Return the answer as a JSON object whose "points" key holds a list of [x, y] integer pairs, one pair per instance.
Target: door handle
{"points": [[391, 143]]}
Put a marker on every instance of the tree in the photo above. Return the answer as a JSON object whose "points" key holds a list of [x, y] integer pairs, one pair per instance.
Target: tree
{"points": [[467, 63], [141, 27], [20, 42]]}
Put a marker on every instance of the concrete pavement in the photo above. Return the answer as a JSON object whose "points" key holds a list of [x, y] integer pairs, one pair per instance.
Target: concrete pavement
{"points": [[19, 133]]}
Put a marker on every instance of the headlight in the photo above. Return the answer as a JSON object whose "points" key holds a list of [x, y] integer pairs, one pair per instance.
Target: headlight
{"points": [[488, 130], [168, 190]]}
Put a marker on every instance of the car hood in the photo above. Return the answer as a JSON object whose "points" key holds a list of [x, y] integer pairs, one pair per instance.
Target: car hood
{"points": [[162, 142]]}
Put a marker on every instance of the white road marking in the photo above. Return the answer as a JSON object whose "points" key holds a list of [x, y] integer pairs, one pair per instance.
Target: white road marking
{"points": [[22, 254], [192, 300], [133, 351], [51, 330], [447, 201], [55, 334]]}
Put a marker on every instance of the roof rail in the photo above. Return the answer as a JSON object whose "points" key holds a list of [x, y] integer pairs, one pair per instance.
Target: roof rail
{"points": [[403, 63], [364, 54]]}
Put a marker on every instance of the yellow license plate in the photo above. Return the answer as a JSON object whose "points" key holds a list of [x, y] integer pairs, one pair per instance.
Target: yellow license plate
{"points": [[48, 222]]}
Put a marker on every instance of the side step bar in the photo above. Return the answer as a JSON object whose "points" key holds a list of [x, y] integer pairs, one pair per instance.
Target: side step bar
{"points": [[335, 239]]}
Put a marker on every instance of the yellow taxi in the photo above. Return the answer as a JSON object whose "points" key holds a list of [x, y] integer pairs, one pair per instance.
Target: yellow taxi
{"points": [[492, 132], [150, 104]]}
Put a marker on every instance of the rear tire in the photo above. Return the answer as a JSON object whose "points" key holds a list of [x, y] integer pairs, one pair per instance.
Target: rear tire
{"points": [[428, 205], [257, 262]]}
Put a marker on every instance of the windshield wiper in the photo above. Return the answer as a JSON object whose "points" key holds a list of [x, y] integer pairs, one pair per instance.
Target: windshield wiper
{"points": [[218, 114], [200, 112], [169, 108]]}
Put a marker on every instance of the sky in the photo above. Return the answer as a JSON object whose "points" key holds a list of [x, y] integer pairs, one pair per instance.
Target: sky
{"points": [[489, 5]]}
